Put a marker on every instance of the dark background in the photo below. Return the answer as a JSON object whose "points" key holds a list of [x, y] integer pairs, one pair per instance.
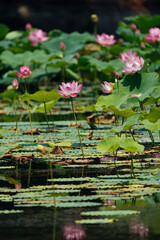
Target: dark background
{"points": [[73, 15]]}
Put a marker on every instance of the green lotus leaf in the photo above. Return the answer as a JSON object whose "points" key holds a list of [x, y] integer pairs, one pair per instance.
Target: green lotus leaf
{"points": [[42, 96], [154, 114], [152, 126], [111, 144], [123, 113], [110, 100]]}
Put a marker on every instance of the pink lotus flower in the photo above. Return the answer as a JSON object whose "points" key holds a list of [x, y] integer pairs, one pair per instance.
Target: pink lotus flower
{"points": [[130, 56], [37, 37], [62, 46], [107, 87], [134, 65], [28, 27], [69, 89], [153, 36], [105, 40], [73, 232], [15, 84], [25, 72]]}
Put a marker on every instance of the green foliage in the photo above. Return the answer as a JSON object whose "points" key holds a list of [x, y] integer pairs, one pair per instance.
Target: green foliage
{"points": [[144, 23], [144, 84], [110, 100], [111, 144], [152, 126], [154, 115], [42, 96], [4, 29]]}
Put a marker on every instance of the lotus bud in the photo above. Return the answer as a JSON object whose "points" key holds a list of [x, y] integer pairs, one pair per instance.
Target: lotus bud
{"points": [[143, 45], [28, 27], [115, 74], [15, 84], [62, 46], [133, 27], [77, 56], [94, 18], [138, 31], [120, 40]]}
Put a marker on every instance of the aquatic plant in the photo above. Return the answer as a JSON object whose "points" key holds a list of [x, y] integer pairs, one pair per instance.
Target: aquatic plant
{"points": [[105, 40], [37, 36]]}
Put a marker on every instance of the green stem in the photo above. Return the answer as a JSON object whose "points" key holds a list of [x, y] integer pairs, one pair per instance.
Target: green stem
{"points": [[95, 29], [115, 156], [132, 168], [77, 128], [15, 109], [79, 139], [151, 136], [150, 133], [16, 169], [25, 85], [132, 135], [63, 73], [30, 120], [118, 86], [54, 200], [47, 122], [29, 172]]}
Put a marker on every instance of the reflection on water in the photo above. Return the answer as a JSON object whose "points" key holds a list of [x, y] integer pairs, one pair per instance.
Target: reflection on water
{"points": [[138, 230], [71, 232]]}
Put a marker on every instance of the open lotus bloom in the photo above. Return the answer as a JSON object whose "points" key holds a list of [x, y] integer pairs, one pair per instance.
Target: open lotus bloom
{"points": [[69, 89], [105, 39], [25, 72], [107, 87], [15, 84], [153, 36], [38, 36], [130, 56], [134, 65]]}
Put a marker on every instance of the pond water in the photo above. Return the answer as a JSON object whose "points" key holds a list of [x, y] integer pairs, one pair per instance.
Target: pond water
{"points": [[45, 197]]}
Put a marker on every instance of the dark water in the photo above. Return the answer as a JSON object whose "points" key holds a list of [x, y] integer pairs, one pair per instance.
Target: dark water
{"points": [[39, 223]]}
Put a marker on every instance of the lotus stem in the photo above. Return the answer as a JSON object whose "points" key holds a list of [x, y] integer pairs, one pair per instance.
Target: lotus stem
{"points": [[29, 112], [29, 173], [151, 136], [150, 133], [79, 138], [30, 120], [15, 109], [77, 128], [95, 29], [132, 135], [118, 86], [132, 168], [47, 121], [54, 200], [115, 157]]}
